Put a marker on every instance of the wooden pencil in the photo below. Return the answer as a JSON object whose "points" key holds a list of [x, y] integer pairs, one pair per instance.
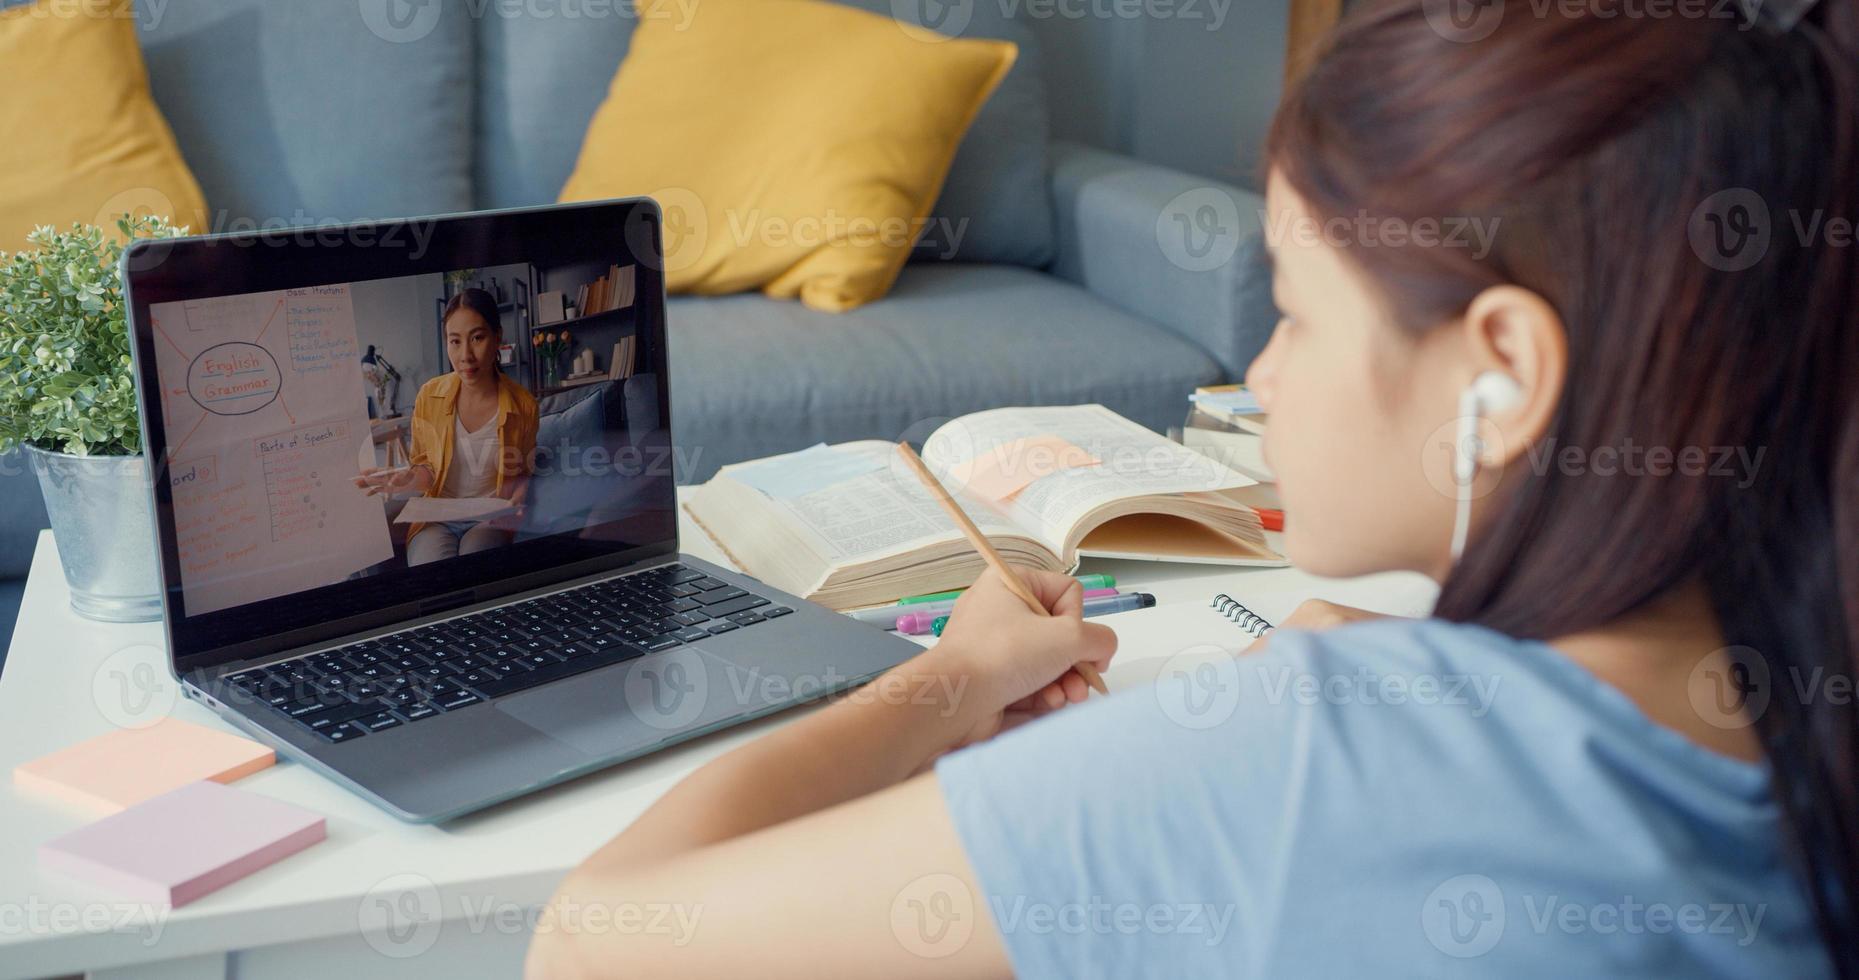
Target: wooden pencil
{"points": [[980, 542]]}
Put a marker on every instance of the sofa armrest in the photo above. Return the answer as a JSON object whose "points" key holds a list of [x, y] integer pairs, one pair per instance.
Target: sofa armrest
{"points": [[1183, 251], [22, 516]]}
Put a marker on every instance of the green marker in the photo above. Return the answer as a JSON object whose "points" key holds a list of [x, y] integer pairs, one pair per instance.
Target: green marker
{"points": [[1088, 581], [936, 627]]}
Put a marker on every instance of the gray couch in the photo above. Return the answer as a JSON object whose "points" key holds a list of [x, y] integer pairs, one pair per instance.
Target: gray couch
{"points": [[22, 515], [1065, 285]]}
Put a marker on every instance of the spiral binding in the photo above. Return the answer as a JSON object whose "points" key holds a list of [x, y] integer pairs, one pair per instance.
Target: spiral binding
{"points": [[1253, 623]]}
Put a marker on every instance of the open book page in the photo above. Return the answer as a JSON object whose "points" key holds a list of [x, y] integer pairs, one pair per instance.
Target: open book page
{"points": [[877, 514], [1131, 462]]}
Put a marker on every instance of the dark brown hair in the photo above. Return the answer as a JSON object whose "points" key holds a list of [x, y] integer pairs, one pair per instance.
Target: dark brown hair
{"points": [[1603, 146]]}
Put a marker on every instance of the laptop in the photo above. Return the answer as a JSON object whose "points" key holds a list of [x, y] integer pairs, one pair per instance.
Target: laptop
{"points": [[407, 544]]}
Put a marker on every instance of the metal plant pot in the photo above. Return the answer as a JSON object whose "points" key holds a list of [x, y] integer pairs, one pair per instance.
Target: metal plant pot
{"points": [[101, 519]]}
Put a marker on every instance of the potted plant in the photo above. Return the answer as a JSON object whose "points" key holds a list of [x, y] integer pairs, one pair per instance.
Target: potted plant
{"points": [[68, 397]]}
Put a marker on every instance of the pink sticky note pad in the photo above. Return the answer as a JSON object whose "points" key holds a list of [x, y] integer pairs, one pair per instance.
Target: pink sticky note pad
{"points": [[184, 844], [1007, 469], [129, 765]]}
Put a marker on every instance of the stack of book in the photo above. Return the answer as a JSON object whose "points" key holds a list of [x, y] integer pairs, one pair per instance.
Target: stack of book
{"points": [[624, 354], [613, 291], [1229, 406], [1226, 423]]}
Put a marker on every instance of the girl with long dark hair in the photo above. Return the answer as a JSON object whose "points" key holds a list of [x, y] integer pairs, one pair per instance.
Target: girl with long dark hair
{"points": [[1625, 440]]}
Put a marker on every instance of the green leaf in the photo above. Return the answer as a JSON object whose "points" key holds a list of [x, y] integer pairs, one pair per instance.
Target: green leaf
{"points": [[66, 378]]}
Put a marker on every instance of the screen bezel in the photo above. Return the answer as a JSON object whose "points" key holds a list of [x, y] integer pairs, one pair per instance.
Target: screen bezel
{"points": [[202, 267]]}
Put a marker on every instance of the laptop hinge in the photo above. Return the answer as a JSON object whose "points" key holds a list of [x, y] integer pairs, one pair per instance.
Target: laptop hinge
{"points": [[446, 603]]}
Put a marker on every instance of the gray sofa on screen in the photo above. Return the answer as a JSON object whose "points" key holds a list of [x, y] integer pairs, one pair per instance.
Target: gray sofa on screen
{"points": [[1059, 289]]}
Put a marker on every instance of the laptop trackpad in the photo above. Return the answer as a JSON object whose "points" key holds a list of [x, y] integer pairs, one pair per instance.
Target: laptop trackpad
{"points": [[639, 703]]}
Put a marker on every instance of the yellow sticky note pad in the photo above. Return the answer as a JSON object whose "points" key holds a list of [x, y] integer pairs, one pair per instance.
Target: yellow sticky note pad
{"points": [[116, 771], [1010, 467]]}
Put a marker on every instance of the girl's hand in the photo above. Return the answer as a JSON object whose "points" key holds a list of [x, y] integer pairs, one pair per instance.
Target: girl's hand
{"points": [[519, 508], [387, 480], [1017, 664]]}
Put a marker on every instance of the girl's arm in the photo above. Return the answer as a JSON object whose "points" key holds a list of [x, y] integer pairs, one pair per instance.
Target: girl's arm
{"points": [[875, 887], [516, 489], [418, 475], [801, 851], [387, 479], [520, 462]]}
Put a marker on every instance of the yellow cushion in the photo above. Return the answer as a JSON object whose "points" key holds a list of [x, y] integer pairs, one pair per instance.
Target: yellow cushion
{"points": [[83, 138], [795, 145]]}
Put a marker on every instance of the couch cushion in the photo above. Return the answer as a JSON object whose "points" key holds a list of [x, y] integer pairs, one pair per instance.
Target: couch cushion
{"points": [[22, 517], [797, 176], [997, 201], [303, 113], [589, 441], [752, 377], [85, 142], [562, 494], [540, 78]]}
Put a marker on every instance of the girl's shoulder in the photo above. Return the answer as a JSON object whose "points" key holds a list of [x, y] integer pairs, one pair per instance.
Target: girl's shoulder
{"points": [[1508, 712], [1455, 703], [438, 386], [519, 395]]}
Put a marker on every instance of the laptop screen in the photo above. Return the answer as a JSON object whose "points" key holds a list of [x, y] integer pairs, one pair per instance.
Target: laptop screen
{"points": [[338, 451]]}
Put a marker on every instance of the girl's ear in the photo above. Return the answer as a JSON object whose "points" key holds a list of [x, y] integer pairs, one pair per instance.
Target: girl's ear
{"points": [[1514, 331]]}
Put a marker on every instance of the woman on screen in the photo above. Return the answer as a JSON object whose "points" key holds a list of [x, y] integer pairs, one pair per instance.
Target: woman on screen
{"points": [[474, 437]]}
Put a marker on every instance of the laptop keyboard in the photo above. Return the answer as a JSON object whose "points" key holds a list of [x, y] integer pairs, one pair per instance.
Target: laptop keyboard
{"points": [[378, 684]]}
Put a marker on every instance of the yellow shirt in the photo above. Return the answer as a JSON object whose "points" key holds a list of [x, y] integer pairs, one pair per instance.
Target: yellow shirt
{"points": [[435, 410]]}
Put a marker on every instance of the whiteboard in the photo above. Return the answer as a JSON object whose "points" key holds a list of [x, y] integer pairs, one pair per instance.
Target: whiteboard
{"points": [[266, 417]]}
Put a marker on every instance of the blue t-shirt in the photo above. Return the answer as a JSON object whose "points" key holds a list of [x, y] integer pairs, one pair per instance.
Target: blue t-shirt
{"points": [[1395, 798]]}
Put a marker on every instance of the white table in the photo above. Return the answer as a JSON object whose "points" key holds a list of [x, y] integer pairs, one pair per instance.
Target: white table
{"points": [[381, 898]]}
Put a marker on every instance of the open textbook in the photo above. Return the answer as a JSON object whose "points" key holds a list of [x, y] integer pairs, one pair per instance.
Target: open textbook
{"points": [[849, 525]]}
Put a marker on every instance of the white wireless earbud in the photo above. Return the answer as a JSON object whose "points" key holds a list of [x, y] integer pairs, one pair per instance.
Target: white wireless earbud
{"points": [[1491, 391]]}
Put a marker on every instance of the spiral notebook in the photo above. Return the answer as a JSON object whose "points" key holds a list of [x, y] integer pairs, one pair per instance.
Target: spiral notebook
{"points": [[1235, 612], [1231, 620], [1149, 640]]}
